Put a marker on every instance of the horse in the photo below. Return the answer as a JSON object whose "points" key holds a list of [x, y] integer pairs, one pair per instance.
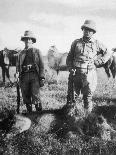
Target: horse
{"points": [[4, 64], [110, 65], [8, 58]]}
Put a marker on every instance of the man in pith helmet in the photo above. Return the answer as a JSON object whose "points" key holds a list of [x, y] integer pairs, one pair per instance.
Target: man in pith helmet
{"points": [[82, 62], [31, 72]]}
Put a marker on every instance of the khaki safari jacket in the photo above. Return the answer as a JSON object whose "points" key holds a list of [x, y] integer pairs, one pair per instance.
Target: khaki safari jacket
{"points": [[83, 54]]}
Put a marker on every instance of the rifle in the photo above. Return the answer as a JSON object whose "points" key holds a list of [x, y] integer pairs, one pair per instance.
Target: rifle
{"points": [[18, 94], [18, 98], [70, 96]]}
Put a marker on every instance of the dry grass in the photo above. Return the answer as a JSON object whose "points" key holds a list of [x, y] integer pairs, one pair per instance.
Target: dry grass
{"points": [[54, 96]]}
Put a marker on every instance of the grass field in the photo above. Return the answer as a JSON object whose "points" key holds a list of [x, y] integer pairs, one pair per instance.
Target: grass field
{"points": [[54, 96]]}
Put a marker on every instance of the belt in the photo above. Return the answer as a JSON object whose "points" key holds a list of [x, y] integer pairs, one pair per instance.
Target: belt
{"points": [[88, 68], [83, 65], [79, 70], [28, 68]]}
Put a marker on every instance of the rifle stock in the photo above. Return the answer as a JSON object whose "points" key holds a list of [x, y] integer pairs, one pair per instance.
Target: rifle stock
{"points": [[70, 96], [18, 96]]}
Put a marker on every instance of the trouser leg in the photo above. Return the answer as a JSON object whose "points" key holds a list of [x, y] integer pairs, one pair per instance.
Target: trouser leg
{"points": [[89, 86], [71, 90], [77, 85], [26, 94], [87, 97], [36, 100]]}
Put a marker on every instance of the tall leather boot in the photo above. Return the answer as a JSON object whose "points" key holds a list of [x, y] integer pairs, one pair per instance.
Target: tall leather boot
{"points": [[38, 107]]}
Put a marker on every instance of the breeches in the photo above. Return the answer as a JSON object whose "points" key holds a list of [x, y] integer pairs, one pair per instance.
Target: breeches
{"points": [[85, 83], [30, 86]]}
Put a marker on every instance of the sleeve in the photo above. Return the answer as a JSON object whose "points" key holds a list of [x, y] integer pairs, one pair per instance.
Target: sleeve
{"points": [[70, 57], [41, 66]]}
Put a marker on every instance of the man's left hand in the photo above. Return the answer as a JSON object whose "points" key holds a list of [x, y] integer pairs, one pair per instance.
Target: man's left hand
{"points": [[42, 81]]}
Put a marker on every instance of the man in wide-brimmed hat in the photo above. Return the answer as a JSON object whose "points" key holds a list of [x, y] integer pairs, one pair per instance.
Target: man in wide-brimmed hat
{"points": [[82, 61], [31, 72]]}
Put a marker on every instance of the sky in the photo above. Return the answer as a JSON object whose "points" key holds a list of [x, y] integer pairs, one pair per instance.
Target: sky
{"points": [[55, 22]]}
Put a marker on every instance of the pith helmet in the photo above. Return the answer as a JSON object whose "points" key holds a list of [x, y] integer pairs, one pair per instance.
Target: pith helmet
{"points": [[89, 24], [28, 34]]}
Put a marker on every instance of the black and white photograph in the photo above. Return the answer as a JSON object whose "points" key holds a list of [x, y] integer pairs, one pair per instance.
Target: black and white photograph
{"points": [[57, 77]]}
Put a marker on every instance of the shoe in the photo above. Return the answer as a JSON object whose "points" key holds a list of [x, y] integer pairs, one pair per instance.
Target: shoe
{"points": [[38, 109]]}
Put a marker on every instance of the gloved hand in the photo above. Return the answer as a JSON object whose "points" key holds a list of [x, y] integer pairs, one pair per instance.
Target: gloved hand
{"points": [[42, 81]]}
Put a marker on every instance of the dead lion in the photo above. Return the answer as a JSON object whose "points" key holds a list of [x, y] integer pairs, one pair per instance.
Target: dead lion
{"points": [[56, 121]]}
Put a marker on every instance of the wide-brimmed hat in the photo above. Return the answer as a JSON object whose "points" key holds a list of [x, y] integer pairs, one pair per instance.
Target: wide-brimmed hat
{"points": [[89, 24], [28, 34]]}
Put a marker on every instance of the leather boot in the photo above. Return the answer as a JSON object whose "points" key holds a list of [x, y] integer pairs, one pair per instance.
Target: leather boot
{"points": [[38, 107]]}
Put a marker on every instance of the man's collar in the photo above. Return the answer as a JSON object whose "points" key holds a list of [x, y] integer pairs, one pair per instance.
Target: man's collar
{"points": [[25, 49], [92, 40]]}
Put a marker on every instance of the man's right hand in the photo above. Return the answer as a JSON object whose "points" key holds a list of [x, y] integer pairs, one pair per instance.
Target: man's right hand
{"points": [[42, 82], [72, 71]]}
